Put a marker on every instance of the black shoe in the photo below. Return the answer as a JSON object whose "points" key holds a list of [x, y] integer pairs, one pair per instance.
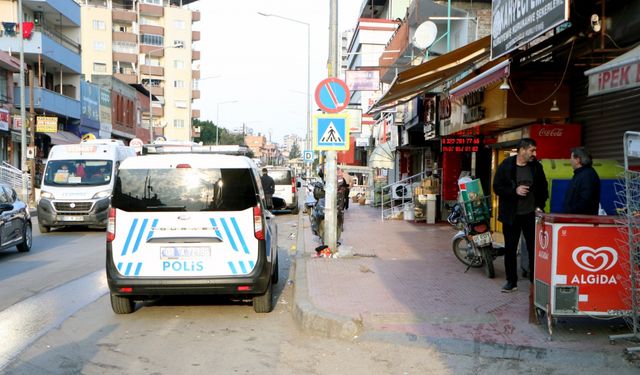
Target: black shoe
{"points": [[525, 274], [508, 287]]}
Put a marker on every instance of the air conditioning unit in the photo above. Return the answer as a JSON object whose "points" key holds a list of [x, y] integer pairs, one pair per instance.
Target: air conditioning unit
{"points": [[401, 191]]}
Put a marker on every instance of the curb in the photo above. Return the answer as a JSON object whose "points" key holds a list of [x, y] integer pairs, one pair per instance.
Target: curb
{"points": [[308, 317]]}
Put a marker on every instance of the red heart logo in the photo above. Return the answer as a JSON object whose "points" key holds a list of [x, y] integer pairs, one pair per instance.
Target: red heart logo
{"points": [[543, 239], [594, 260]]}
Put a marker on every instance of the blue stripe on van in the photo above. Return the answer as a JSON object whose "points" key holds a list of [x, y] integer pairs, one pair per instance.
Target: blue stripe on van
{"points": [[226, 229], [138, 268], [235, 226], [252, 264], [153, 226], [119, 266], [233, 268], [215, 227], [242, 267], [131, 230], [142, 228], [126, 272]]}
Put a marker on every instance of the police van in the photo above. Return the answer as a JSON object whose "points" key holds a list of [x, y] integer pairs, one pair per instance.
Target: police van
{"points": [[190, 223], [78, 181]]}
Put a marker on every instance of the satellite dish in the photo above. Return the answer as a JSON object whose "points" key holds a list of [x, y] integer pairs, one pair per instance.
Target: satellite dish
{"points": [[424, 35]]}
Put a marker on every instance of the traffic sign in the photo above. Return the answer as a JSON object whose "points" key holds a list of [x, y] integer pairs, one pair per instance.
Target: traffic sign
{"points": [[331, 132], [307, 156], [332, 95]]}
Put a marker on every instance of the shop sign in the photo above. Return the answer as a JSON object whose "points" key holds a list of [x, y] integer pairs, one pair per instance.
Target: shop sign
{"points": [[362, 142], [615, 79], [472, 110], [90, 114], [4, 119], [16, 124], [105, 112], [460, 144], [517, 22], [46, 124], [363, 80], [429, 115]]}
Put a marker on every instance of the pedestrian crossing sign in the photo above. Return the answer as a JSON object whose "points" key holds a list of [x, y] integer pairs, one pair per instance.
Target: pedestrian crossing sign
{"points": [[331, 132]]}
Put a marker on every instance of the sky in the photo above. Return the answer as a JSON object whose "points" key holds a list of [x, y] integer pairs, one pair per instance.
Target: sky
{"points": [[261, 62]]}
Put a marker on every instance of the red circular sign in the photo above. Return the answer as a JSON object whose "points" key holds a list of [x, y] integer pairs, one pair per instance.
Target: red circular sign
{"points": [[332, 95]]}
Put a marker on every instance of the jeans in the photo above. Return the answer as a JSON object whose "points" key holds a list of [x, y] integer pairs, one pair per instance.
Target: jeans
{"points": [[525, 224]]}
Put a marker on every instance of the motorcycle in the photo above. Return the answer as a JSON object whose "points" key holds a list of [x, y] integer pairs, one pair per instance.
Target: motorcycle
{"points": [[316, 214], [472, 245]]}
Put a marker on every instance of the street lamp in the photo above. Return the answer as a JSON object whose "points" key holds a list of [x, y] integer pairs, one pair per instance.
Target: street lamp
{"points": [[308, 135], [218, 116], [177, 45]]}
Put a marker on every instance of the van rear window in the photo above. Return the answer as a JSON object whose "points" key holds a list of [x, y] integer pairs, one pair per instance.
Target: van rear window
{"points": [[280, 177], [184, 189]]}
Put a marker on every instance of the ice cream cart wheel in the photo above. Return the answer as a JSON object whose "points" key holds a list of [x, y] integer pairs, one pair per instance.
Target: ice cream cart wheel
{"points": [[550, 320], [540, 315]]}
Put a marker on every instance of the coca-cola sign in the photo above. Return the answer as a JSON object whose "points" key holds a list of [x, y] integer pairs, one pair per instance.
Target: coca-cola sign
{"points": [[550, 132]]}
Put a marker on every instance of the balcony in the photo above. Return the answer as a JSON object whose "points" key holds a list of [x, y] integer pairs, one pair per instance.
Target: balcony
{"points": [[69, 10], [56, 48], [195, 113], [158, 112], [195, 94], [124, 15], [195, 131], [195, 74], [152, 29], [157, 90], [151, 70], [398, 42], [119, 36], [158, 51], [195, 55], [125, 57], [49, 101], [128, 78], [195, 36], [151, 10], [195, 16]]}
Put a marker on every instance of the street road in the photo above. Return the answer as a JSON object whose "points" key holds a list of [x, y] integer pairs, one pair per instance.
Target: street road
{"points": [[55, 318]]}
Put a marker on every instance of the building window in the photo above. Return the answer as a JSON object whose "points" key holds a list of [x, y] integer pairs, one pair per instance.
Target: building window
{"points": [[99, 68], [98, 46], [178, 84], [181, 104], [152, 40], [178, 43], [178, 124], [154, 2], [98, 25], [179, 24], [125, 47], [178, 64]]}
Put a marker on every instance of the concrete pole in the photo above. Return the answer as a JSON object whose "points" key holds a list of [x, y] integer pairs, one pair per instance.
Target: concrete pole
{"points": [[23, 112], [330, 170], [32, 126], [150, 97]]}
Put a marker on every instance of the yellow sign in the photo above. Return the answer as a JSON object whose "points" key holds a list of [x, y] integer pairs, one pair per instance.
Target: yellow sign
{"points": [[88, 137], [46, 124]]}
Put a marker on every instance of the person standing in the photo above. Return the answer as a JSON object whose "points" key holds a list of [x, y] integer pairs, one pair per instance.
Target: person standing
{"points": [[269, 187], [583, 193], [522, 187]]}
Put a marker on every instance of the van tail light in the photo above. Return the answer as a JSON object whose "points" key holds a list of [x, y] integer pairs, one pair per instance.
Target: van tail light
{"points": [[258, 228], [293, 185], [111, 225]]}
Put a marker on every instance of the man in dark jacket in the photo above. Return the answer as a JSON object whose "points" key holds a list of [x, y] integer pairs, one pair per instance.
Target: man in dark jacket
{"points": [[269, 187], [522, 187], [583, 193]]}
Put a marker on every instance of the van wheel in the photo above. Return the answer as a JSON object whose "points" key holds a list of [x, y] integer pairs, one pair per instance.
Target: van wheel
{"points": [[44, 228], [27, 239], [262, 303], [122, 305], [276, 274]]}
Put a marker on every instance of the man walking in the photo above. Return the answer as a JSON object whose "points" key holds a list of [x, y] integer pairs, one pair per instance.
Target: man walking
{"points": [[269, 187], [583, 193], [522, 187]]}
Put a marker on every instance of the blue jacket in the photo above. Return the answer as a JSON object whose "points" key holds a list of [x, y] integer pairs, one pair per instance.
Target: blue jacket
{"points": [[583, 193]]}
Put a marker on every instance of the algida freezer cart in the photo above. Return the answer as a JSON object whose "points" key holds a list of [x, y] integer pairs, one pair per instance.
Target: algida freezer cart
{"points": [[581, 269]]}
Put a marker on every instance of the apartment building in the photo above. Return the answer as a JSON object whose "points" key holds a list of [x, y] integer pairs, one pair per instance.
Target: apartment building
{"points": [[147, 42]]}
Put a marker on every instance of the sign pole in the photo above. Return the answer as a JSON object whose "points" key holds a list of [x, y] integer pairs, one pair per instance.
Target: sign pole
{"points": [[32, 144]]}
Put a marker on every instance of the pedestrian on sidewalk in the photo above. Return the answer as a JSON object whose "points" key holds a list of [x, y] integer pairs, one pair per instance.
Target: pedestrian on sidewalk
{"points": [[583, 193], [269, 187], [522, 187]]}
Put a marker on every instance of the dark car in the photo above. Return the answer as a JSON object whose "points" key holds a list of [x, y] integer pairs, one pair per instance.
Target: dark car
{"points": [[15, 221]]}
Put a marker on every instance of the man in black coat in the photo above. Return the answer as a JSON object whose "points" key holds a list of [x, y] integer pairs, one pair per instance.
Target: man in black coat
{"points": [[583, 193], [522, 187]]}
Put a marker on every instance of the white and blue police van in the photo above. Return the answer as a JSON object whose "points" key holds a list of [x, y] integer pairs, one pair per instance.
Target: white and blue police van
{"points": [[190, 222]]}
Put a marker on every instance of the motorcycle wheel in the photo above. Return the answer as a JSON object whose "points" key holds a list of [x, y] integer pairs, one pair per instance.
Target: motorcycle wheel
{"points": [[489, 270], [460, 250]]}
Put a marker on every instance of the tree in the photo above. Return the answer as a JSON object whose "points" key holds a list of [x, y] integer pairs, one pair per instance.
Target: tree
{"points": [[208, 134], [295, 151]]}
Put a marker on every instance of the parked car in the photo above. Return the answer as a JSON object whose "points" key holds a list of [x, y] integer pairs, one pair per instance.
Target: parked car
{"points": [[15, 221], [286, 186]]}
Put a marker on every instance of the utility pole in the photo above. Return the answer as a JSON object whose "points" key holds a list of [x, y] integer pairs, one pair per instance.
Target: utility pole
{"points": [[330, 171], [23, 112], [32, 144]]}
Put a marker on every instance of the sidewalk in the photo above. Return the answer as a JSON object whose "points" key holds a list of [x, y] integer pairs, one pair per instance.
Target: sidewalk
{"points": [[404, 281]]}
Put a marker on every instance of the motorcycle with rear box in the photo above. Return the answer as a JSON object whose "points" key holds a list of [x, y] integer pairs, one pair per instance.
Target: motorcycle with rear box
{"points": [[473, 244]]}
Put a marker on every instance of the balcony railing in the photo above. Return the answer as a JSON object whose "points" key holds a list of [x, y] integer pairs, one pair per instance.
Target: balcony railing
{"points": [[123, 15], [195, 55], [195, 113], [49, 101], [195, 16], [195, 94], [60, 38]]}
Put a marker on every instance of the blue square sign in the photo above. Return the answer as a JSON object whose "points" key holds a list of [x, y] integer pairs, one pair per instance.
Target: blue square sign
{"points": [[331, 132]]}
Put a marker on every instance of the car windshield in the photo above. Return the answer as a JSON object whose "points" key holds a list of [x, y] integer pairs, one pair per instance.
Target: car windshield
{"points": [[78, 172], [280, 177], [184, 189]]}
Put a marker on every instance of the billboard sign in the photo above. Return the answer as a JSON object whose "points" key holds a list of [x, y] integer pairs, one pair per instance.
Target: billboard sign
{"points": [[90, 114], [363, 80]]}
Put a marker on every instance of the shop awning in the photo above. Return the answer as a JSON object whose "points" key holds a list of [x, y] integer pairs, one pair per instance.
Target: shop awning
{"points": [[63, 138], [382, 156], [491, 73], [618, 74], [428, 75]]}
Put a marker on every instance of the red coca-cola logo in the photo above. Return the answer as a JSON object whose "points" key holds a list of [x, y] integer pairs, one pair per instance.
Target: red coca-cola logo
{"points": [[550, 132]]}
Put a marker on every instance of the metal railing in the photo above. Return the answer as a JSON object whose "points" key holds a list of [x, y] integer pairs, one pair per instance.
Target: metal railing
{"points": [[391, 206], [12, 176]]}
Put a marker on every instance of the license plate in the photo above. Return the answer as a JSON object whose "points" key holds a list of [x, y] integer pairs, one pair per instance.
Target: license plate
{"points": [[180, 252], [482, 239], [71, 218]]}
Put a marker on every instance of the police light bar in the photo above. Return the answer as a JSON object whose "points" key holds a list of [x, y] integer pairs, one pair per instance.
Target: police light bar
{"points": [[187, 147]]}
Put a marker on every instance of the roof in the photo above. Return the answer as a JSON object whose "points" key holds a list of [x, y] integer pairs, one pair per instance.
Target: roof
{"points": [[195, 160]]}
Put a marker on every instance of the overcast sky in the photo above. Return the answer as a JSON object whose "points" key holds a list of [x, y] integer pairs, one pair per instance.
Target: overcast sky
{"points": [[262, 61]]}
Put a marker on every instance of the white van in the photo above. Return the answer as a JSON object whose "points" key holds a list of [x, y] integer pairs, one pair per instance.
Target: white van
{"points": [[78, 181], [190, 223]]}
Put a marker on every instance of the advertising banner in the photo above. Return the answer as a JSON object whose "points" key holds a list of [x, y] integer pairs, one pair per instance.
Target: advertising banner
{"points": [[105, 113], [517, 22], [4, 119], [363, 80], [90, 114], [46, 124]]}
